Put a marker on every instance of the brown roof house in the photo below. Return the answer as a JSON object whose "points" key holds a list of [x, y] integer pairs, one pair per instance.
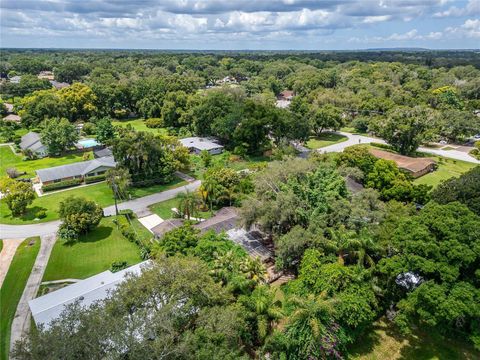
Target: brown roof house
{"points": [[414, 166]]}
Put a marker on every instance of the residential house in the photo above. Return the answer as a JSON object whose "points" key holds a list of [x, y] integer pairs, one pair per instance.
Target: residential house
{"points": [[80, 170], [13, 117], [198, 144], [98, 287], [414, 166], [59, 85], [15, 79], [284, 99], [101, 153], [31, 142], [46, 75]]}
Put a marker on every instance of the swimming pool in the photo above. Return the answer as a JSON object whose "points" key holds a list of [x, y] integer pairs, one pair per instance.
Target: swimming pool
{"points": [[88, 143]]}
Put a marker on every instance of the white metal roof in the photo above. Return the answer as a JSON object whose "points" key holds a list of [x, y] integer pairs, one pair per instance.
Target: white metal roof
{"points": [[98, 287]]}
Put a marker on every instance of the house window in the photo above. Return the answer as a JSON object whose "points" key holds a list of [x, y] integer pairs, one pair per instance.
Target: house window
{"points": [[57, 180], [101, 172]]}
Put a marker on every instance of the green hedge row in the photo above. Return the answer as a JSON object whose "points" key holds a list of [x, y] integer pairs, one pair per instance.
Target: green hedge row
{"points": [[92, 179], [61, 185]]}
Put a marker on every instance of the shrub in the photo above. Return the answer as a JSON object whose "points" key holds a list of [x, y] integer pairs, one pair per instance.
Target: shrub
{"points": [[382, 146], [89, 128], [61, 185], [13, 173], [118, 265], [92, 179], [40, 214], [154, 123]]}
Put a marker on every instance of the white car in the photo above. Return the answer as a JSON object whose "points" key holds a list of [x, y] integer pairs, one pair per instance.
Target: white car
{"points": [[477, 136]]}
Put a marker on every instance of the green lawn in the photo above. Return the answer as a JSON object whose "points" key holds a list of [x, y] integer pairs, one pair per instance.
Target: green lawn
{"points": [[163, 209], [92, 254], [100, 193], [9, 159], [325, 139], [139, 125], [12, 288], [447, 168], [383, 342]]}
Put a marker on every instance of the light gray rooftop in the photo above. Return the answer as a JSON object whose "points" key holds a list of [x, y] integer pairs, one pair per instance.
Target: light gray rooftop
{"points": [[98, 287], [29, 139], [76, 169], [200, 143]]}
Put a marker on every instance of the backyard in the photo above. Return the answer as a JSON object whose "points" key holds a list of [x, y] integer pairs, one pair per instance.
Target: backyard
{"points": [[447, 168], [384, 342], [99, 192], [94, 252], [10, 159], [324, 140], [139, 125], [12, 288]]}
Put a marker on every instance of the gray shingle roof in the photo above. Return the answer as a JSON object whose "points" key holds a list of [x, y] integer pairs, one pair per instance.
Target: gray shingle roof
{"points": [[76, 169], [200, 143], [29, 139]]}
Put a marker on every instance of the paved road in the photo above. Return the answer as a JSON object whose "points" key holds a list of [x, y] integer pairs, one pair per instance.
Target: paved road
{"points": [[21, 321], [361, 139], [141, 204], [137, 205]]}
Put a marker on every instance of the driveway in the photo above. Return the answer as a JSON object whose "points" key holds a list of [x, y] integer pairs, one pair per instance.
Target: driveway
{"points": [[354, 139], [6, 256], [21, 321]]}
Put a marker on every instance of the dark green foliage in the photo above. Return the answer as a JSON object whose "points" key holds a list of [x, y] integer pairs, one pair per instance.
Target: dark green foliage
{"points": [[61, 185], [465, 189], [79, 216], [93, 179], [59, 135]]}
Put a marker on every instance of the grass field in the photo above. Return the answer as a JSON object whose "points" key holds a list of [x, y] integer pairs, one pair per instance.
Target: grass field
{"points": [[9, 159], [100, 193], [12, 288], [164, 209], [139, 125], [447, 168], [92, 254], [325, 139], [383, 342]]}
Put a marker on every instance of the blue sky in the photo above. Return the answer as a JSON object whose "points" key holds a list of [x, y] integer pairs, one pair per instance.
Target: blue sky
{"points": [[240, 24]]}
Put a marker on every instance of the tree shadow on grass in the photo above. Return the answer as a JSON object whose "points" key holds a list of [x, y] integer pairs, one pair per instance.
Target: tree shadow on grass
{"points": [[99, 233], [366, 343], [29, 215]]}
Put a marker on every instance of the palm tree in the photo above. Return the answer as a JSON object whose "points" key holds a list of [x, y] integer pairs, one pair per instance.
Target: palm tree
{"points": [[254, 269], [365, 248], [188, 204], [265, 309], [210, 188], [312, 321], [119, 180]]}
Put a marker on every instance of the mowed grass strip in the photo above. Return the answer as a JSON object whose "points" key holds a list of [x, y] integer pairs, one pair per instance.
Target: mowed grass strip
{"points": [[92, 254], [10, 159], [447, 168], [139, 125], [100, 193], [164, 209], [13, 286], [324, 140]]}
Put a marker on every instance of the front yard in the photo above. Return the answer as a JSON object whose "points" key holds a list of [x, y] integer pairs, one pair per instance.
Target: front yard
{"points": [[139, 125], [93, 253], [164, 209], [100, 193], [12, 288]]}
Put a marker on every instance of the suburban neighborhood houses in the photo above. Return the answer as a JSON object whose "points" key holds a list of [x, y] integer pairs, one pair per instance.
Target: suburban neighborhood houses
{"points": [[239, 204]]}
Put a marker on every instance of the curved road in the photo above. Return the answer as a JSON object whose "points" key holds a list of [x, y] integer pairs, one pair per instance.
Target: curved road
{"points": [[354, 139], [137, 205]]}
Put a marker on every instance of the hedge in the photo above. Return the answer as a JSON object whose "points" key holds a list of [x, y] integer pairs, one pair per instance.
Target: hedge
{"points": [[92, 179], [61, 184]]}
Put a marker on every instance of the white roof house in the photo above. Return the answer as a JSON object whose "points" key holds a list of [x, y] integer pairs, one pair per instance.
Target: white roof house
{"points": [[197, 144], [98, 287], [32, 142]]}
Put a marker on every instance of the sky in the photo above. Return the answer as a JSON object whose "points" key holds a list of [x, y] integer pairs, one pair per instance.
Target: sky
{"points": [[240, 24]]}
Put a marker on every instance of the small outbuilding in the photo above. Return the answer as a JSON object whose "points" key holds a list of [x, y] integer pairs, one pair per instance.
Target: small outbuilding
{"points": [[414, 166], [198, 144], [13, 117]]}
